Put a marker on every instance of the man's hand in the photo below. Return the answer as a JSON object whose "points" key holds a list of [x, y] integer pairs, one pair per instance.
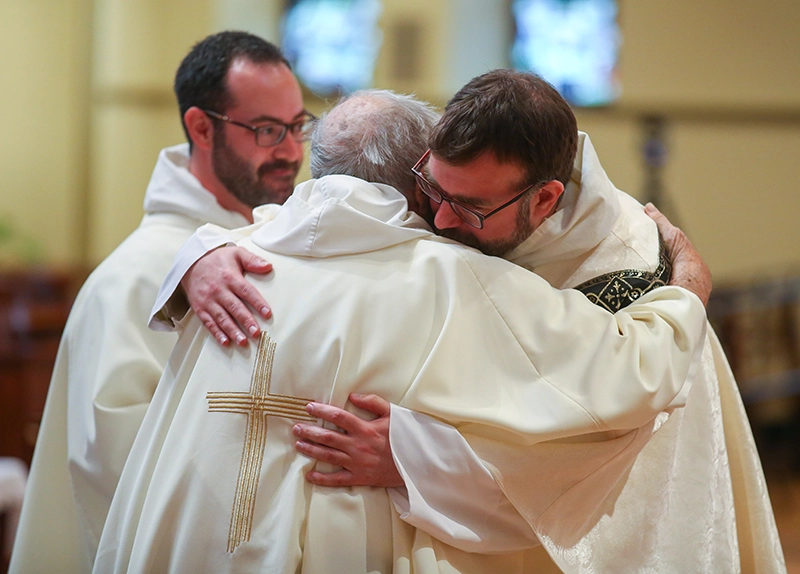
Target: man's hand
{"points": [[363, 450], [688, 268], [217, 292]]}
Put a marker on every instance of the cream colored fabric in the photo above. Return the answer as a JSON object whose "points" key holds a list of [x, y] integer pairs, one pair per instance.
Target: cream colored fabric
{"points": [[368, 300], [106, 371], [683, 493]]}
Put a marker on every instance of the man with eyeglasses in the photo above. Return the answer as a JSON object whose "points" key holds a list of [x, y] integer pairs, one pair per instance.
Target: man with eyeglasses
{"points": [[503, 175], [242, 112]]}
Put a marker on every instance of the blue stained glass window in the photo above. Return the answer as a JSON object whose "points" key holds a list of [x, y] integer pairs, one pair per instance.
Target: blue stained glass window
{"points": [[573, 44], [332, 44]]}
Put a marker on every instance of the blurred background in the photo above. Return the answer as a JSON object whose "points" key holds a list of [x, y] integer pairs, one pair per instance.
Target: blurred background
{"points": [[692, 105]]}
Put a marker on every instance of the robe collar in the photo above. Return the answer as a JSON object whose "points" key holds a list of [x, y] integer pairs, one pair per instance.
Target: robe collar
{"points": [[586, 214], [173, 189], [341, 215]]}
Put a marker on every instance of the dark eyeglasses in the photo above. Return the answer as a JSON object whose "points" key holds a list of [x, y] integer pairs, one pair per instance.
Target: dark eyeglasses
{"points": [[466, 214], [273, 131]]}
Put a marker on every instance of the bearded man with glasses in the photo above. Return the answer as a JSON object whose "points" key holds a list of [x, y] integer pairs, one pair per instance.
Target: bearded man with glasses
{"points": [[242, 111]]}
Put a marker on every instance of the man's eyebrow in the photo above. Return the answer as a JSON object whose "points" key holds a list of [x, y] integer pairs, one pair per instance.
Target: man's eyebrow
{"points": [[468, 201], [263, 118], [478, 203]]}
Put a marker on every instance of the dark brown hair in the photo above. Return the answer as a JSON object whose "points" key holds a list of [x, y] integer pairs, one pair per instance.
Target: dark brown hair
{"points": [[516, 115], [200, 79]]}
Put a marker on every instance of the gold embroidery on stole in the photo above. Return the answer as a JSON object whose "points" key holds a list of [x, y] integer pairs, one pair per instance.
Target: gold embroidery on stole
{"points": [[258, 404], [618, 289]]}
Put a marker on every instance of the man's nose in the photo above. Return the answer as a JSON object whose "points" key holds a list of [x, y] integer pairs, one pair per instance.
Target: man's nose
{"points": [[445, 217], [288, 149]]}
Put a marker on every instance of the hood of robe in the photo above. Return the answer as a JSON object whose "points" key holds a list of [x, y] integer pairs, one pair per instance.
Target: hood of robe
{"points": [[341, 215], [588, 210], [173, 189]]}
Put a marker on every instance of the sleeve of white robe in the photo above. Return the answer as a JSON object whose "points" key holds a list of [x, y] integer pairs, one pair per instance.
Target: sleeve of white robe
{"points": [[449, 493], [610, 372], [565, 366], [171, 306], [594, 373]]}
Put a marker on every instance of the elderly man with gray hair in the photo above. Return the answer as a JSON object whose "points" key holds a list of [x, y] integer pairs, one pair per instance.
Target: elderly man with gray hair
{"points": [[388, 132], [371, 301]]}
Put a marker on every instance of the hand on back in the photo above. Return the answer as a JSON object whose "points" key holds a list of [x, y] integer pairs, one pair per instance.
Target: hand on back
{"points": [[219, 293], [688, 268]]}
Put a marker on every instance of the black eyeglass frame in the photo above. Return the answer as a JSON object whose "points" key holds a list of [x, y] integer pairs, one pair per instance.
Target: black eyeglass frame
{"points": [[305, 123], [464, 213]]}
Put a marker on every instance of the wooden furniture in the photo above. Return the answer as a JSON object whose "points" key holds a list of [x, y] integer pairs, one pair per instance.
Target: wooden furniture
{"points": [[34, 306], [758, 325]]}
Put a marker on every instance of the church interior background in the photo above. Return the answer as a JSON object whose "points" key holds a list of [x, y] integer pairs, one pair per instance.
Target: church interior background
{"points": [[699, 112]]}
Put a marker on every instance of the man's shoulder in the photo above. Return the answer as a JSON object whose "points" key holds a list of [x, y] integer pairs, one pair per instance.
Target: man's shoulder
{"points": [[144, 257], [631, 243], [618, 289], [630, 262]]}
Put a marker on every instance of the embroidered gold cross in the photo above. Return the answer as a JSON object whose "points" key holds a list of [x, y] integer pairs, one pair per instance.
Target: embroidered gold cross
{"points": [[258, 404]]}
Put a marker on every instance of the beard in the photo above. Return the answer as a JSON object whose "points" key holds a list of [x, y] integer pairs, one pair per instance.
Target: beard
{"points": [[250, 185], [523, 228]]}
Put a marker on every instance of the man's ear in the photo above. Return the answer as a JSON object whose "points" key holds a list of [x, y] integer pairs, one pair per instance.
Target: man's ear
{"points": [[200, 127], [546, 200]]}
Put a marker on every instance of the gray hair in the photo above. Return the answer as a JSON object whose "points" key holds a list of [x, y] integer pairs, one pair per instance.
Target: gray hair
{"points": [[375, 135]]}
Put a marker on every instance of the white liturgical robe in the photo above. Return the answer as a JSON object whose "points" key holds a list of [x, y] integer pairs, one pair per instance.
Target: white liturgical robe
{"points": [[371, 301], [105, 374], [684, 493]]}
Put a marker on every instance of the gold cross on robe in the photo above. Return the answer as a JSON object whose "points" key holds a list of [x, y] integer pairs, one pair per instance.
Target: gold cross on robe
{"points": [[258, 404]]}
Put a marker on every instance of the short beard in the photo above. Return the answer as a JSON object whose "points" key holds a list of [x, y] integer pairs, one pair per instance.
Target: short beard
{"points": [[522, 230], [238, 178]]}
